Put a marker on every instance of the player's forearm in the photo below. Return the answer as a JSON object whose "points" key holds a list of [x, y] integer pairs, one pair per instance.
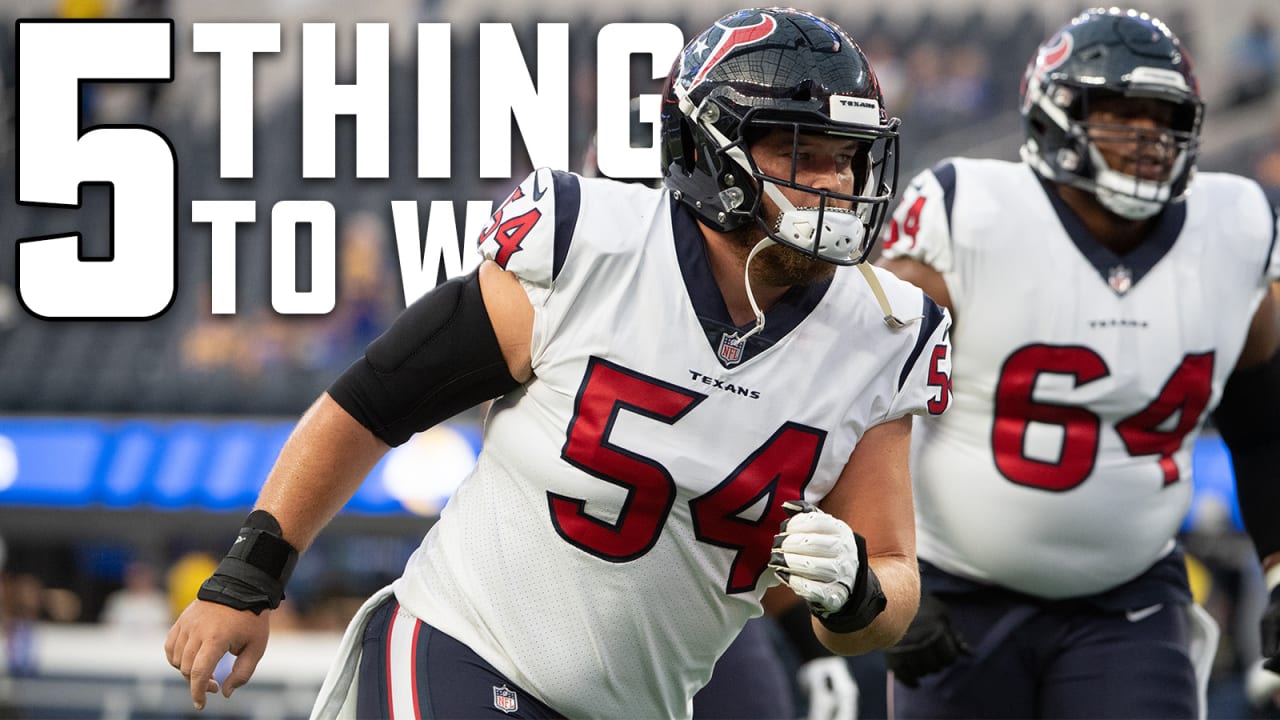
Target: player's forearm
{"points": [[320, 467], [900, 580]]}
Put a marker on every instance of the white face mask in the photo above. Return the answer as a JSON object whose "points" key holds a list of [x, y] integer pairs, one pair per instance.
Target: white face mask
{"points": [[841, 236], [1127, 196]]}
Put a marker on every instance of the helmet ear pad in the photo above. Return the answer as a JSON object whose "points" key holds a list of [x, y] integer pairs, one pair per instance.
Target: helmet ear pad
{"points": [[699, 172]]}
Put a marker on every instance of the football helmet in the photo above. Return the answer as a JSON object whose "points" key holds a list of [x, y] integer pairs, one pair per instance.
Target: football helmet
{"points": [[1113, 55], [758, 70]]}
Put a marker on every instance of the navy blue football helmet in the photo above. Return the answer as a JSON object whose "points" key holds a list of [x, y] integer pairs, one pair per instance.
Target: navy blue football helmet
{"points": [[759, 70], [1112, 55]]}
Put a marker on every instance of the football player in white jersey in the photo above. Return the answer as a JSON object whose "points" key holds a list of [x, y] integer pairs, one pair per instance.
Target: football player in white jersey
{"points": [[1105, 302], [753, 677], [700, 391]]}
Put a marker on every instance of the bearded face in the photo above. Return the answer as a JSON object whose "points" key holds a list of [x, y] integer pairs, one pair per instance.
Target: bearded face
{"points": [[810, 160], [777, 265]]}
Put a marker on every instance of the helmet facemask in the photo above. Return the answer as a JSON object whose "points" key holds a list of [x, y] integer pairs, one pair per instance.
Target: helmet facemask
{"points": [[1157, 162]]}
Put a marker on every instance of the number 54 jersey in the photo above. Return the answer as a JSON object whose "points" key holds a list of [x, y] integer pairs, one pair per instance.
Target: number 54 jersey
{"points": [[615, 534], [1081, 377]]}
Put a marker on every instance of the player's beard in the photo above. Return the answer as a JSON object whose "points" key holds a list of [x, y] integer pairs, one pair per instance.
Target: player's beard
{"points": [[778, 265], [781, 265]]}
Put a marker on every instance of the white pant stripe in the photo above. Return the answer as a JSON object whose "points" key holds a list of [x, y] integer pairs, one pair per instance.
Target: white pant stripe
{"points": [[401, 666]]}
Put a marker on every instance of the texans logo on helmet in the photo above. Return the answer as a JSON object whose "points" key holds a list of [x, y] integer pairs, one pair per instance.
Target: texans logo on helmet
{"points": [[734, 37], [1054, 55], [1051, 56]]}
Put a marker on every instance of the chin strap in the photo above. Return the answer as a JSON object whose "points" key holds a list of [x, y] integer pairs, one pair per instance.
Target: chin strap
{"points": [[886, 309], [751, 297], [890, 319]]}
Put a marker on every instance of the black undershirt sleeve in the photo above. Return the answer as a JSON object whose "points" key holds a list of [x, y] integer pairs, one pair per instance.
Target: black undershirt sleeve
{"points": [[1248, 417], [438, 358]]}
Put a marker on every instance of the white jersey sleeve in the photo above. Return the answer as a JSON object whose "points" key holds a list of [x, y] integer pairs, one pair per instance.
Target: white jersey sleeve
{"points": [[920, 227], [523, 233], [924, 384]]}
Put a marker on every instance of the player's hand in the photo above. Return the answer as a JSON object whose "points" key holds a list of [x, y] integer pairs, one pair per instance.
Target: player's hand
{"points": [[816, 555], [1271, 632], [930, 645], [203, 634], [830, 687]]}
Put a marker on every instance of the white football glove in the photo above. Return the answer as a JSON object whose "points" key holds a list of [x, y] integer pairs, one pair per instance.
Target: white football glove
{"points": [[830, 687], [816, 555]]}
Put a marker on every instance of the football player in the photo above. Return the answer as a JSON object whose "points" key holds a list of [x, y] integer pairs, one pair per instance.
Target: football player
{"points": [[753, 678], [1105, 302], [700, 391]]}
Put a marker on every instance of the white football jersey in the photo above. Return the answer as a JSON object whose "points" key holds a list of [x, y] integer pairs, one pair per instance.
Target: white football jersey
{"points": [[615, 533], [1081, 377]]}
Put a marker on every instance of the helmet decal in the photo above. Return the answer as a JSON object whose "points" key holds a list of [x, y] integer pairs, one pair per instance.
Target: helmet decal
{"points": [[1049, 57], [1052, 56], [733, 37]]}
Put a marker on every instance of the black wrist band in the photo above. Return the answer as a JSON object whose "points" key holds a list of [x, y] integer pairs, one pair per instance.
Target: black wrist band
{"points": [[255, 570], [866, 599]]}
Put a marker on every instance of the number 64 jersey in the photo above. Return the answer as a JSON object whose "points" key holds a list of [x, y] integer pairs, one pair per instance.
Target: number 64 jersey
{"points": [[615, 534], [1081, 377]]}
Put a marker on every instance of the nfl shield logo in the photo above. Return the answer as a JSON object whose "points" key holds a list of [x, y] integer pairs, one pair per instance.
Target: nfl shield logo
{"points": [[505, 699], [1120, 278], [730, 351]]}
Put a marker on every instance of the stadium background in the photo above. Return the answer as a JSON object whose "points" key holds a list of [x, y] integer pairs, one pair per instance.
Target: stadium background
{"points": [[130, 450]]}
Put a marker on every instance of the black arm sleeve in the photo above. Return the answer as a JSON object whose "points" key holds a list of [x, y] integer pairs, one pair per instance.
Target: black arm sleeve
{"points": [[438, 358], [1248, 417]]}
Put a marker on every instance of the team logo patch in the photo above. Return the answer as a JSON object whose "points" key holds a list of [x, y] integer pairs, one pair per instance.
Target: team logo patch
{"points": [[505, 699], [1120, 278], [731, 347]]}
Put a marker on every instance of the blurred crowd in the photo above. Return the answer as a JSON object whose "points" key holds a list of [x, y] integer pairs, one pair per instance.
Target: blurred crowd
{"points": [[951, 80]]}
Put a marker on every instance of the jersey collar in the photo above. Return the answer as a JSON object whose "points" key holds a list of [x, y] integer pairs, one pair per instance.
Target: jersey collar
{"points": [[1121, 272], [708, 304]]}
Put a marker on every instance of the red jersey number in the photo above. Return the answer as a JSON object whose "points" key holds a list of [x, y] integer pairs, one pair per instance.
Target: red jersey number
{"points": [[940, 379], [509, 233], [910, 225], [1184, 396], [776, 472]]}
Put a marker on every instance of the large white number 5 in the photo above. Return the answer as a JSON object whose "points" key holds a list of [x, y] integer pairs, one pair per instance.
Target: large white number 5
{"points": [[54, 159]]}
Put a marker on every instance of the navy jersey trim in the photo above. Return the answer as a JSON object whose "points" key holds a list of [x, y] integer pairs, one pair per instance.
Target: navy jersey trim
{"points": [[1140, 260], [932, 318], [1275, 228], [708, 304], [945, 172], [568, 204]]}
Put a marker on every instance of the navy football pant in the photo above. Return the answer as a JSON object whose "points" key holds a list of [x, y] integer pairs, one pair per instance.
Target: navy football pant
{"points": [[409, 670], [439, 677], [1040, 662], [750, 681]]}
